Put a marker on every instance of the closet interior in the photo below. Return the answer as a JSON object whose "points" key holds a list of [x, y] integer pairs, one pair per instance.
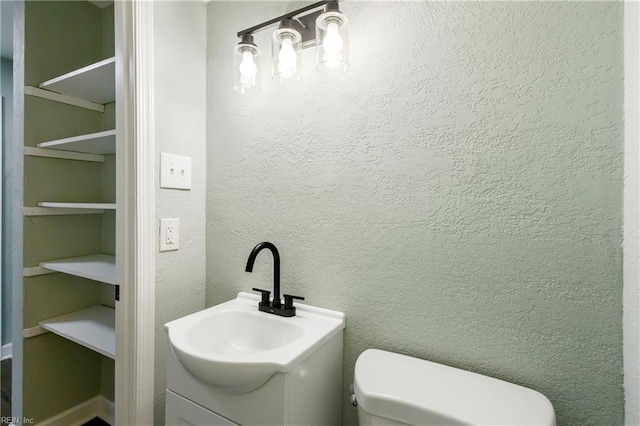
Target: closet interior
{"points": [[70, 283]]}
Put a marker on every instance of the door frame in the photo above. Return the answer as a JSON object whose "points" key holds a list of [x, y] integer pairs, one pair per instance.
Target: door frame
{"points": [[631, 240], [15, 186], [135, 214]]}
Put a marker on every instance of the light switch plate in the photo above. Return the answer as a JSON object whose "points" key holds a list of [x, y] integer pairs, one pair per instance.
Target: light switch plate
{"points": [[175, 171], [169, 234]]}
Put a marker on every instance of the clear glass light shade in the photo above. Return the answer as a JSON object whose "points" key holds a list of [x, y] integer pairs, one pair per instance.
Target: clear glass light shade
{"points": [[246, 65], [332, 47], [285, 49]]}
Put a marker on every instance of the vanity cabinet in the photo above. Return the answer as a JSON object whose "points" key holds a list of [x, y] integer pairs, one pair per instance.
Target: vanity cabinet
{"points": [[257, 369], [310, 394], [181, 411]]}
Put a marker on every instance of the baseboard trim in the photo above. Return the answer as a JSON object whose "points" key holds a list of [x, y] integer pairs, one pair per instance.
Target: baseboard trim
{"points": [[107, 410], [6, 351], [82, 413]]}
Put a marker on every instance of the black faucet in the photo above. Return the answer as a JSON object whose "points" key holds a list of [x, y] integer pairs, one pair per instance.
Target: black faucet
{"points": [[266, 305]]}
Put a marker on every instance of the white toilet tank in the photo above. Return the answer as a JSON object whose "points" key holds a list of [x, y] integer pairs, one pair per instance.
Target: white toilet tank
{"points": [[393, 389]]}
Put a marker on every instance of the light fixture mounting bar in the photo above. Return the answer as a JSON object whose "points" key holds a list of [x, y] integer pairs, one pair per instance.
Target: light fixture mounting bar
{"points": [[306, 26], [289, 15]]}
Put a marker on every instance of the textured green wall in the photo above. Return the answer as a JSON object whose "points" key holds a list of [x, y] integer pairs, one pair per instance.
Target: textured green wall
{"points": [[179, 43], [60, 36], [458, 194]]}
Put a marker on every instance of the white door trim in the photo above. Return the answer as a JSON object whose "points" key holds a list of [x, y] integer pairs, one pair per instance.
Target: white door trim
{"points": [[16, 189], [631, 241], [135, 312]]}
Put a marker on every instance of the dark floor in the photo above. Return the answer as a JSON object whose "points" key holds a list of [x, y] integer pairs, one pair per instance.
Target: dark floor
{"points": [[96, 421], [5, 387]]}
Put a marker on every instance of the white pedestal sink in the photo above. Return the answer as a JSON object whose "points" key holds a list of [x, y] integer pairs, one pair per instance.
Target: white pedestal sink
{"points": [[253, 368]]}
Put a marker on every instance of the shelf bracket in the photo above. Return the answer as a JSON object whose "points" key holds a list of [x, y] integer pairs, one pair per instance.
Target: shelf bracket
{"points": [[33, 331], [34, 271], [64, 99], [66, 155]]}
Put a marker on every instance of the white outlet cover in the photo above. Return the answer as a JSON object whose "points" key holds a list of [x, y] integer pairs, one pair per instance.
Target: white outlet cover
{"points": [[169, 234], [175, 171]]}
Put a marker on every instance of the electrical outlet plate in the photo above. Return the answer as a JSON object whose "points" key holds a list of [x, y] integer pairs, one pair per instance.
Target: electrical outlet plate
{"points": [[175, 171], [169, 234]]}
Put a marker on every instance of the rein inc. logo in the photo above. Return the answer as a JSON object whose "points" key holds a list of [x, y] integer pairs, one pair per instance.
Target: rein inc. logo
{"points": [[17, 421]]}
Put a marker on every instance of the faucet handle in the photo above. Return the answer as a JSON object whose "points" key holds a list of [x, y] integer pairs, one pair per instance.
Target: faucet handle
{"points": [[266, 294], [288, 300]]}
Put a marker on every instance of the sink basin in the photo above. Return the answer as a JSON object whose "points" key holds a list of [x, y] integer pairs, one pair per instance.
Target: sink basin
{"points": [[236, 332], [237, 348]]}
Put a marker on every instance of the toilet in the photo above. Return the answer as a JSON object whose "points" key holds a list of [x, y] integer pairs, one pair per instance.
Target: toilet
{"points": [[392, 389]]}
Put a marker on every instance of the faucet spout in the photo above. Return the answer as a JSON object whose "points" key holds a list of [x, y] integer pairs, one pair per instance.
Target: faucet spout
{"points": [[276, 267]]}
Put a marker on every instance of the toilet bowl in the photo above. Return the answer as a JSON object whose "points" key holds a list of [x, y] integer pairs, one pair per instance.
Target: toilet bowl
{"points": [[392, 389]]}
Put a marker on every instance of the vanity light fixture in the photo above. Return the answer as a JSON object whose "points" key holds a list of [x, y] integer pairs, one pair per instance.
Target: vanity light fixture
{"points": [[320, 24], [332, 49], [246, 63], [286, 44]]}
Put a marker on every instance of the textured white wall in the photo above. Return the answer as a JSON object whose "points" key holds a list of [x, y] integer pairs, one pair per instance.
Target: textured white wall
{"points": [[458, 194], [180, 85], [632, 213]]}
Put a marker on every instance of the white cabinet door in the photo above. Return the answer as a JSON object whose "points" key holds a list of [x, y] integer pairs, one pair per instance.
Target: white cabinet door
{"points": [[182, 412]]}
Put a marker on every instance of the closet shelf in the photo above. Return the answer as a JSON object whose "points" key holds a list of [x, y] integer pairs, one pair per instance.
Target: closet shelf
{"points": [[105, 206], [65, 155], [95, 82], [97, 267], [95, 143], [93, 328], [44, 211], [64, 99]]}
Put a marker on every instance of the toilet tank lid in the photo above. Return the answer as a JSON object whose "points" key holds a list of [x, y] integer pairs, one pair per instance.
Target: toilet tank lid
{"points": [[414, 391]]}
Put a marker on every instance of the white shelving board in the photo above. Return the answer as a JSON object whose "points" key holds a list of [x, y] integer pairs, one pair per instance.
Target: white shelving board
{"points": [[95, 143], [97, 267], [44, 211], [95, 82], [93, 328], [105, 206]]}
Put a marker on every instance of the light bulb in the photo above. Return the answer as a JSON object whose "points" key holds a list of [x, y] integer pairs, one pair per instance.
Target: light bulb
{"points": [[332, 43], [331, 62], [287, 59], [248, 68]]}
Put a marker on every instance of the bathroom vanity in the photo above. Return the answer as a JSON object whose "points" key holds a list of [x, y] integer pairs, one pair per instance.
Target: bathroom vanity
{"points": [[232, 364]]}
